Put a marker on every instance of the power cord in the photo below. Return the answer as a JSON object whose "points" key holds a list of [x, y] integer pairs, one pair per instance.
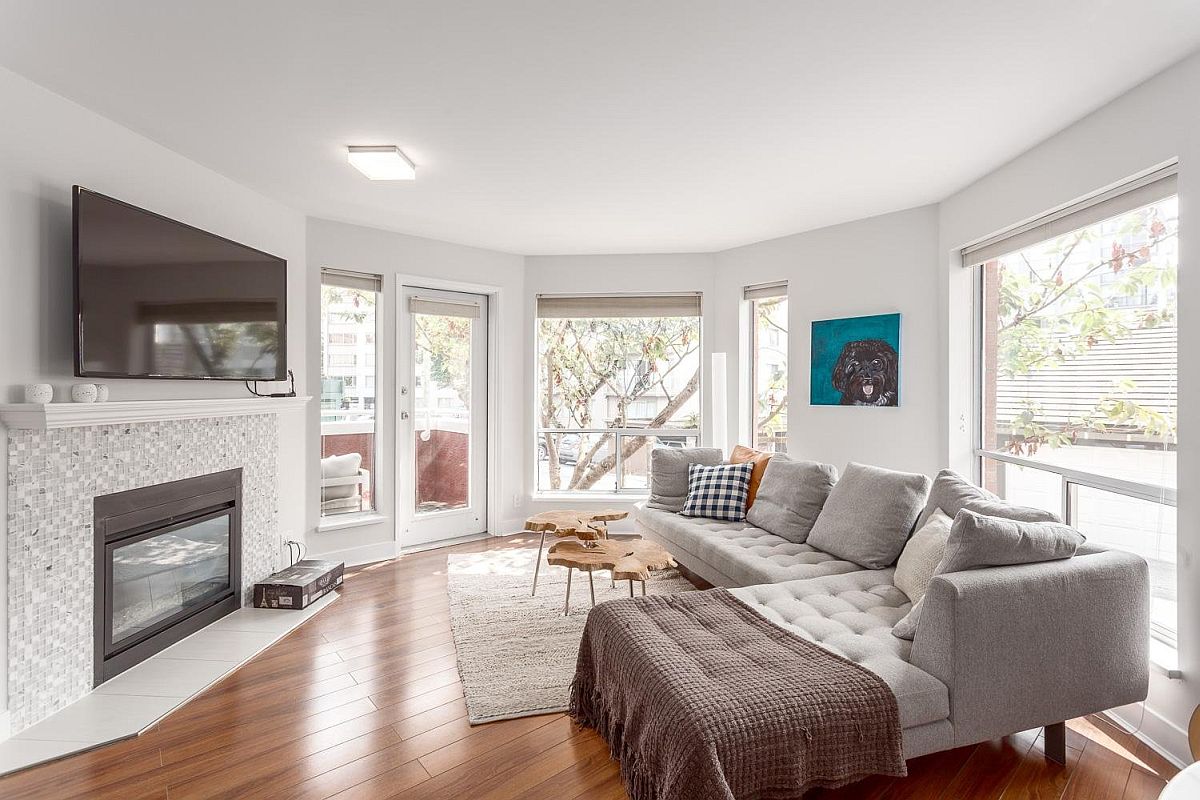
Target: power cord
{"points": [[298, 548], [291, 392]]}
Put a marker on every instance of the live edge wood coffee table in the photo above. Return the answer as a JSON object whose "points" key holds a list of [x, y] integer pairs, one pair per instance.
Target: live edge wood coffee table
{"points": [[626, 559]]}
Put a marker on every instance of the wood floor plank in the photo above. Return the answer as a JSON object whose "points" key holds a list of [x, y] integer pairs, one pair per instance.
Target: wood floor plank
{"points": [[363, 702]]}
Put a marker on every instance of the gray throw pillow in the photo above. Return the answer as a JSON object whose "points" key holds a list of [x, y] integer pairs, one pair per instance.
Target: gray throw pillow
{"points": [[978, 541], [791, 496], [669, 474], [952, 493], [869, 514]]}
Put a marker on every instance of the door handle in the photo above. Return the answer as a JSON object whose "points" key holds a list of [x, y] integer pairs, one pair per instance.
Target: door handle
{"points": [[403, 415]]}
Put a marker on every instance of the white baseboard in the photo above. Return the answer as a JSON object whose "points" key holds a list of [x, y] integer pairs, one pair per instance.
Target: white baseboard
{"points": [[5, 725], [363, 554], [1156, 732]]}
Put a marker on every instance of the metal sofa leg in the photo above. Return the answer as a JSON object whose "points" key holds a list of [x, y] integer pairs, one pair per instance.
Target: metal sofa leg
{"points": [[1056, 742]]}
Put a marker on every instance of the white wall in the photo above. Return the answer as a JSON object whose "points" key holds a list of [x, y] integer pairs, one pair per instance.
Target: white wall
{"points": [[871, 266], [431, 263], [48, 144], [1152, 124], [597, 274]]}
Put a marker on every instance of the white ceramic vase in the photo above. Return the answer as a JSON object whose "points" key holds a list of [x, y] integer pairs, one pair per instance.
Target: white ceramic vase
{"points": [[39, 393], [101, 392], [83, 393]]}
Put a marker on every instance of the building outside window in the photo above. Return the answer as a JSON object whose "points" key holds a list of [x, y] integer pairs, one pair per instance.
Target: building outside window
{"points": [[768, 365], [616, 377], [348, 425], [1079, 373]]}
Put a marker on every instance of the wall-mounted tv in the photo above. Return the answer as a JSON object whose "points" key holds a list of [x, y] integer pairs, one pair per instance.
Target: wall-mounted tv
{"points": [[155, 298]]}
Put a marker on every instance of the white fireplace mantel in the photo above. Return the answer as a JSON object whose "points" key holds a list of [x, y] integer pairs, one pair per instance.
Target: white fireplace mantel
{"points": [[30, 416]]}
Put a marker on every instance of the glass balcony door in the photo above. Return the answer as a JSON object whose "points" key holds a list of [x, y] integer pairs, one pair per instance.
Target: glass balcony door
{"points": [[442, 405]]}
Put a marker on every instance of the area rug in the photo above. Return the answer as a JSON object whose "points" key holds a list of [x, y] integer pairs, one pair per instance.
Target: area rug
{"points": [[516, 652]]}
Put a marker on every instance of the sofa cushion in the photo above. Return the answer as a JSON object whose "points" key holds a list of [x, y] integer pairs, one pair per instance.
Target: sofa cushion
{"points": [[717, 492], [742, 455], [978, 541], [922, 555], [737, 551], [791, 496], [669, 474], [869, 514], [852, 615], [952, 493]]}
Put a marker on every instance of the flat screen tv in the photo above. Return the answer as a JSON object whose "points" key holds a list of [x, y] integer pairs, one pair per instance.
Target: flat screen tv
{"points": [[155, 298]]}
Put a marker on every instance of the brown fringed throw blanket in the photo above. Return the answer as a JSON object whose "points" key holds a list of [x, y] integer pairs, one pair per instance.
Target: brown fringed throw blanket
{"points": [[700, 698]]}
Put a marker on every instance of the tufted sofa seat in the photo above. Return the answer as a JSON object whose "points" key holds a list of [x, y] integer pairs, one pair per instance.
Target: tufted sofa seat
{"points": [[735, 553], [852, 615]]}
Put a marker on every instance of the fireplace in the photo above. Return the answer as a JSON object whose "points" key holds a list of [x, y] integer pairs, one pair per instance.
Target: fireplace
{"points": [[167, 563]]}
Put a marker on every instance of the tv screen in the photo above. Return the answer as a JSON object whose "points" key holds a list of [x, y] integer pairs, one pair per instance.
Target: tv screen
{"points": [[155, 298]]}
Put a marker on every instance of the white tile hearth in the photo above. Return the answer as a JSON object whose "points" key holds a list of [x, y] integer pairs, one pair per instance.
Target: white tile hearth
{"points": [[167, 677], [137, 698]]}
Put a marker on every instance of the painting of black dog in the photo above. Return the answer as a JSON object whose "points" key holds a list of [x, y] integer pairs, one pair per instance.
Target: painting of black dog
{"points": [[856, 361], [867, 373]]}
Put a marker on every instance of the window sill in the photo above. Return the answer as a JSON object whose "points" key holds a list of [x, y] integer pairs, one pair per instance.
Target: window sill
{"points": [[343, 521], [588, 497], [1164, 659]]}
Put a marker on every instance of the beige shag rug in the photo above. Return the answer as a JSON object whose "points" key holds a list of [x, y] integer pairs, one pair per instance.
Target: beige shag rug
{"points": [[516, 652]]}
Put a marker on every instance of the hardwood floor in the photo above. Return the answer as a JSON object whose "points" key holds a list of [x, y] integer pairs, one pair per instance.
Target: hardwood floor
{"points": [[364, 701]]}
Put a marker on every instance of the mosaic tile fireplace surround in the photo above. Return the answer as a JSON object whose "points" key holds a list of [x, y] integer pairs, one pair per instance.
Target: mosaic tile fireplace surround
{"points": [[53, 477]]}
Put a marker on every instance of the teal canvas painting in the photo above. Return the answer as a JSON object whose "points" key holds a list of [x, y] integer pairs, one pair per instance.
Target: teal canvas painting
{"points": [[856, 361]]}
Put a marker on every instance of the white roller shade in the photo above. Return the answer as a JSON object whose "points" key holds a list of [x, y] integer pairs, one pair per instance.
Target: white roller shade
{"points": [[761, 291], [440, 307], [1127, 197], [634, 305], [362, 281]]}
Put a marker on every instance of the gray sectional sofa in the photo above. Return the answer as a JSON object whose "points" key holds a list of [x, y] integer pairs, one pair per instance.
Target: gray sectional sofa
{"points": [[996, 650]]}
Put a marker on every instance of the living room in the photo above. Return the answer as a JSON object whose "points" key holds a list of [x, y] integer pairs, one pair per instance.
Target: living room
{"points": [[848, 337]]}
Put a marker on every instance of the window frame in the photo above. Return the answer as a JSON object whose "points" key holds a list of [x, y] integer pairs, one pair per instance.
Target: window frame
{"points": [[361, 282], [751, 295], [540, 431], [1131, 195]]}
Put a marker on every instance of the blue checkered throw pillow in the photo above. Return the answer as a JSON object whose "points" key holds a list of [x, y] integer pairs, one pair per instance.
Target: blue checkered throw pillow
{"points": [[718, 492]]}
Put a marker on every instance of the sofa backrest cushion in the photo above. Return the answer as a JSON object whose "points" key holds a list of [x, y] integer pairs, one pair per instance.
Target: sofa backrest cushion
{"points": [[869, 514], [669, 474], [977, 541], [952, 493], [921, 556], [791, 496], [718, 492], [742, 454]]}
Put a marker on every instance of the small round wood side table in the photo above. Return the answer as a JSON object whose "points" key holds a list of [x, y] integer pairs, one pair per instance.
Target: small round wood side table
{"points": [[587, 526], [627, 559]]}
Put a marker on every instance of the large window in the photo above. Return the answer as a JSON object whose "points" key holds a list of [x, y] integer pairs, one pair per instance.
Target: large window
{"points": [[768, 365], [1078, 374], [348, 305], [616, 377]]}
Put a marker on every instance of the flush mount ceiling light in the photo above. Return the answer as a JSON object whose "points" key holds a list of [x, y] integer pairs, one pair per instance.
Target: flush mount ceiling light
{"points": [[384, 163]]}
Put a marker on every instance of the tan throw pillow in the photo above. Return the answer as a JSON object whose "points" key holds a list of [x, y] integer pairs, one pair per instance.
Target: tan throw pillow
{"points": [[922, 555], [741, 455]]}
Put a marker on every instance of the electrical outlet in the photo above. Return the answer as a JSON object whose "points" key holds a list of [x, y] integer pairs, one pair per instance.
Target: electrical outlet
{"points": [[517, 500]]}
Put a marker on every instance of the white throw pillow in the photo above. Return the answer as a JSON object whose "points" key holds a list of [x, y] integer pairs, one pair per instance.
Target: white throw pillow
{"points": [[922, 555], [340, 467]]}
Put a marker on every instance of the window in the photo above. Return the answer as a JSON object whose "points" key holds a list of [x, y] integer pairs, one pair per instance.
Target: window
{"points": [[348, 320], [610, 369], [768, 365], [1078, 374]]}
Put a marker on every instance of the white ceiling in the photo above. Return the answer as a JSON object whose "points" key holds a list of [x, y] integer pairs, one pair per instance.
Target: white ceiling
{"points": [[559, 126]]}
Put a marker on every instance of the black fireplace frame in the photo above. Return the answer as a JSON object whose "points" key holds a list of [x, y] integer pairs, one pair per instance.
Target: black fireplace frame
{"points": [[126, 517]]}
